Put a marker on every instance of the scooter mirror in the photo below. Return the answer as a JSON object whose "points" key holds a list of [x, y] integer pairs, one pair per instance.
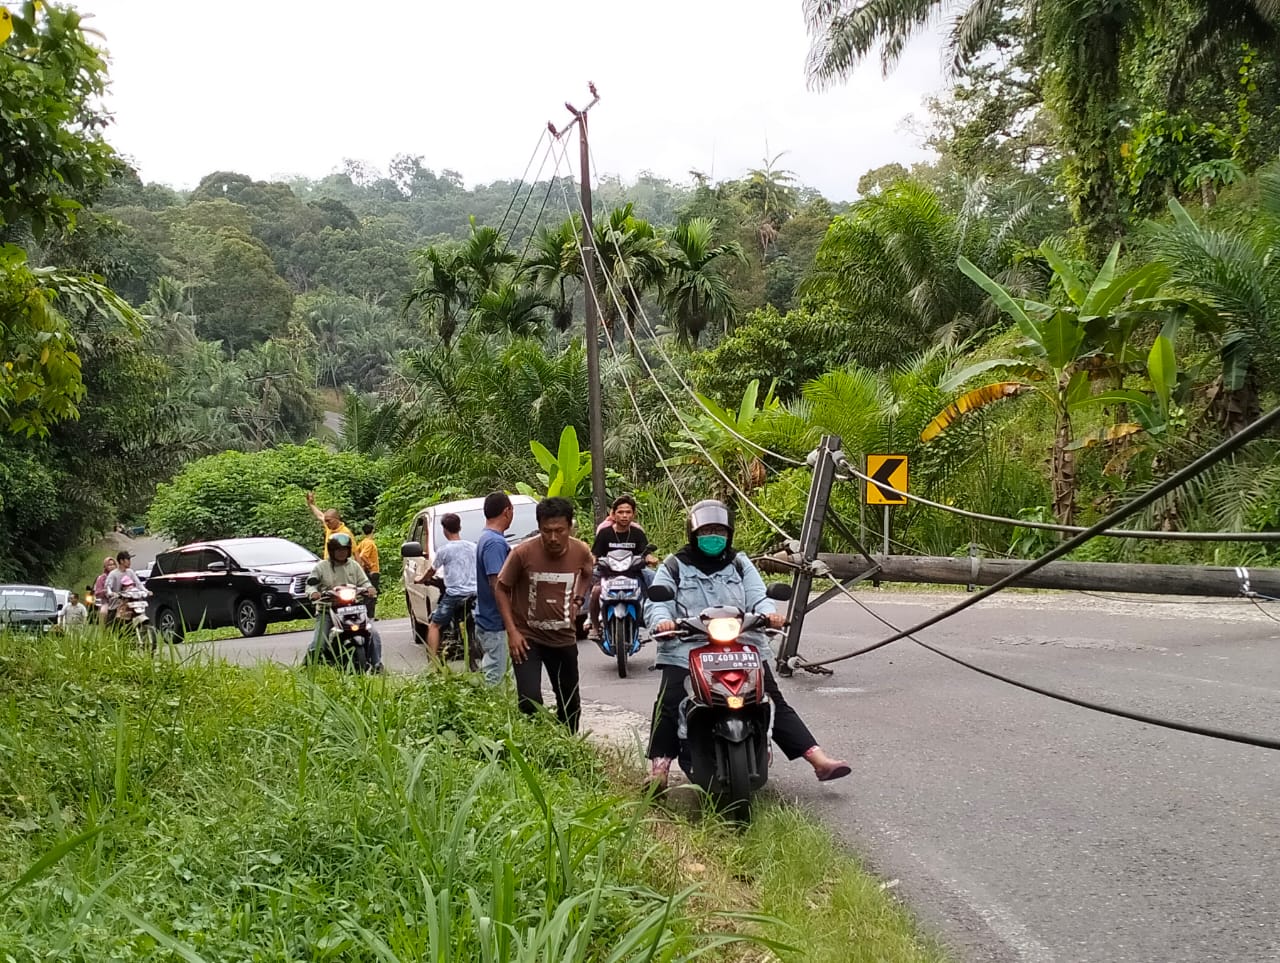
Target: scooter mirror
{"points": [[778, 591], [661, 593]]}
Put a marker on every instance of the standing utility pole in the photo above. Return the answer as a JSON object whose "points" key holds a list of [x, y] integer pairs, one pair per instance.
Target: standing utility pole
{"points": [[595, 415]]}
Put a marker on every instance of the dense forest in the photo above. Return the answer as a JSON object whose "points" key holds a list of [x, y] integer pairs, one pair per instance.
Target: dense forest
{"points": [[1076, 297]]}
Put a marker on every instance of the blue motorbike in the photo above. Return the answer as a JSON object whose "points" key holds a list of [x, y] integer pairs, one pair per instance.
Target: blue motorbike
{"points": [[621, 605]]}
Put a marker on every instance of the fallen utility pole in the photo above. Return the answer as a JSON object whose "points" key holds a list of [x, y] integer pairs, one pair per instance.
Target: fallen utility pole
{"points": [[595, 417], [1212, 581]]}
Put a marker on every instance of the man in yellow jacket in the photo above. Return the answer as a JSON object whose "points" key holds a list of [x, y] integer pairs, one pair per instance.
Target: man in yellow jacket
{"points": [[367, 556]]}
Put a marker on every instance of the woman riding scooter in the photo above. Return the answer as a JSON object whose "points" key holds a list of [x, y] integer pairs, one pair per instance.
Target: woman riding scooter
{"points": [[705, 573]]}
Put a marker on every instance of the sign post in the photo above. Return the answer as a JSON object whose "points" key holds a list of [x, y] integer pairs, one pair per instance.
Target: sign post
{"points": [[889, 471]]}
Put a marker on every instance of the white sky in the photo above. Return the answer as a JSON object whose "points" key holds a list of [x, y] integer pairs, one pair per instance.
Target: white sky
{"points": [[274, 87]]}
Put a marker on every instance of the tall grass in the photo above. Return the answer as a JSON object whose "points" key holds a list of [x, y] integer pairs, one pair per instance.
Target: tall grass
{"points": [[157, 810]]}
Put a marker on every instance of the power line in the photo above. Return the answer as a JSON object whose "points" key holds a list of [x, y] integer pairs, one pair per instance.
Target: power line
{"points": [[529, 196], [657, 450], [1067, 529], [1244, 738], [1134, 505], [653, 333], [520, 183], [662, 390]]}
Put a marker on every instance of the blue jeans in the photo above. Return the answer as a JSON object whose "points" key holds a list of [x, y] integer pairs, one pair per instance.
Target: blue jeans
{"points": [[375, 640], [494, 646], [450, 608]]}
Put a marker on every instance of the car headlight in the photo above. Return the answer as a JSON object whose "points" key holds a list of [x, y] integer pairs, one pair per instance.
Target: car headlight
{"points": [[278, 580]]}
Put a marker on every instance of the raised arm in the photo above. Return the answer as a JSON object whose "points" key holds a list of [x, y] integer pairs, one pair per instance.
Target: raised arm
{"points": [[311, 504]]}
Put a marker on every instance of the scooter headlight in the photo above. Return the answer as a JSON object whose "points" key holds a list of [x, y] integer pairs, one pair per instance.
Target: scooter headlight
{"points": [[724, 631], [345, 595]]}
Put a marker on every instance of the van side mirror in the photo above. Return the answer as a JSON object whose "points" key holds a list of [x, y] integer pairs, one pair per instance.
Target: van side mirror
{"points": [[779, 592], [661, 593], [216, 567], [411, 550]]}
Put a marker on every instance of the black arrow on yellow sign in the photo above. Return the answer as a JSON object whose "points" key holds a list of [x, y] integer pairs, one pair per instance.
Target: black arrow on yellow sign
{"points": [[882, 471]]}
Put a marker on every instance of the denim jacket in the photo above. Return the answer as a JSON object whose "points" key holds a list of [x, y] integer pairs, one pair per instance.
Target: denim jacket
{"points": [[698, 591]]}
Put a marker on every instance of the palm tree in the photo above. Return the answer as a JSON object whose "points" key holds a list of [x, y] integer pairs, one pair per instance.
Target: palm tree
{"points": [[1083, 42], [480, 403], [482, 257], [172, 317], [631, 259], [1220, 24], [770, 193], [441, 288], [553, 261], [890, 265], [696, 293], [1232, 272], [511, 307]]}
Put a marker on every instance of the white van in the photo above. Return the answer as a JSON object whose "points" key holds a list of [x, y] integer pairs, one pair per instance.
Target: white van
{"points": [[426, 531]]}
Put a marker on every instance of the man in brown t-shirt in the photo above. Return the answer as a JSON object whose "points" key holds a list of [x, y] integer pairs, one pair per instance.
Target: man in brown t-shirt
{"points": [[541, 588]]}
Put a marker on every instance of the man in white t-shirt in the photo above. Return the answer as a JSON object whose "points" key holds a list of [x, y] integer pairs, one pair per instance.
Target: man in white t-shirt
{"points": [[457, 559]]}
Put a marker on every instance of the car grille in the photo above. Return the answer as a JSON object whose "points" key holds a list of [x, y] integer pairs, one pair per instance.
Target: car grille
{"points": [[299, 585]]}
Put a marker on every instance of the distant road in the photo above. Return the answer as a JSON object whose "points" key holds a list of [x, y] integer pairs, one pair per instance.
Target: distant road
{"points": [[1019, 828]]}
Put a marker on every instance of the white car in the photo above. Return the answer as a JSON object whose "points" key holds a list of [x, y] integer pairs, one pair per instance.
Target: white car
{"points": [[425, 533]]}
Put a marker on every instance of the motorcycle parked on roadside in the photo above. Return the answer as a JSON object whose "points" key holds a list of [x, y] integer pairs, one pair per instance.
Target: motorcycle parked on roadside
{"points": [[343, 625], [726, 718], [621, 605]]}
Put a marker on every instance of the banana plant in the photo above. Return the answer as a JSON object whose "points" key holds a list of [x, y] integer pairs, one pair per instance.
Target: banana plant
{"points": [[1153, 413], [714, 436], [1064, 348], [562, 472]]}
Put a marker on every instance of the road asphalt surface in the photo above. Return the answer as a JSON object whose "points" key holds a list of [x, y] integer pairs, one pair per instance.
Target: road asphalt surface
{"points": [[1019, 828]]}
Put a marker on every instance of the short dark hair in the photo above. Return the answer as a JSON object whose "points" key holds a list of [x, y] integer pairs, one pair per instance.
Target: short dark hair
{"points": [[451, 523], [625, 500], [495, 503], [122, 555], [554, 507], [367, 528]]}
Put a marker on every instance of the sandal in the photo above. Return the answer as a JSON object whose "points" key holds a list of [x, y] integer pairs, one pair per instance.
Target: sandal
{"points": [[837, 770]]}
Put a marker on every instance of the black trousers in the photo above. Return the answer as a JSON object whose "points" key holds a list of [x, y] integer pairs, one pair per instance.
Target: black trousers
{"points": [[562, 669], [789, 731], [371, 605]]}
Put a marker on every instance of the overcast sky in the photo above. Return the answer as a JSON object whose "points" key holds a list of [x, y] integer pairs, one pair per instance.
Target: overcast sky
{"points": [[275, 87]]}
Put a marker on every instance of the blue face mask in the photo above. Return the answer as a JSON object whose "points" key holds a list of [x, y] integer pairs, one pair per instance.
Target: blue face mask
{"points": [[712, 545]]}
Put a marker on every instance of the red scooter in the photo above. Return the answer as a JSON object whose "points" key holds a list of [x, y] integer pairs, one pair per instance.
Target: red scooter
{"points": [[726, 718]]}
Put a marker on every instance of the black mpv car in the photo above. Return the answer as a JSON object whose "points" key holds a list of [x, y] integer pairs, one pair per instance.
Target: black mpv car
{"points": [[243, 582]]}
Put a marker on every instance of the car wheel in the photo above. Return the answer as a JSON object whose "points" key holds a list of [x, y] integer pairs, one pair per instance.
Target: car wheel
{"points": [[169, 626], [249, 618]]}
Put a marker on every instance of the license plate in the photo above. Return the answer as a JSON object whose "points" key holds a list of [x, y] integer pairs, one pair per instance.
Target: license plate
{"points": [[620, 584], [352, 610], [729, 661]]}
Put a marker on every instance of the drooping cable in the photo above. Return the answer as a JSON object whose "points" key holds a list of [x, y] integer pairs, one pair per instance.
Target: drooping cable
{"points": [[529, 196], [1244, 738], [1133, 506], [1067, 529], [618, 302], [653, 334], [635, 404], [520, 183]]}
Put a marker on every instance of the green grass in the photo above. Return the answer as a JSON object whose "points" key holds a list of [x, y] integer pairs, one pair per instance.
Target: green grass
{"points": [[166, 810]]}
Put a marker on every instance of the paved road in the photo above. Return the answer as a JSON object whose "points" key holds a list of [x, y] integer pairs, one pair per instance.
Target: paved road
{"points": [[1022, 829]]}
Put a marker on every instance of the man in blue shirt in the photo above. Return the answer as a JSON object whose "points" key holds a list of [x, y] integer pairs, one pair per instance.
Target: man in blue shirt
{"points": [[491, 552], [457, 558]]}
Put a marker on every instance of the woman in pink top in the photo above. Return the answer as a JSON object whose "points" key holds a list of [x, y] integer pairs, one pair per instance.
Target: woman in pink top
{"points": [[100, 586]]}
